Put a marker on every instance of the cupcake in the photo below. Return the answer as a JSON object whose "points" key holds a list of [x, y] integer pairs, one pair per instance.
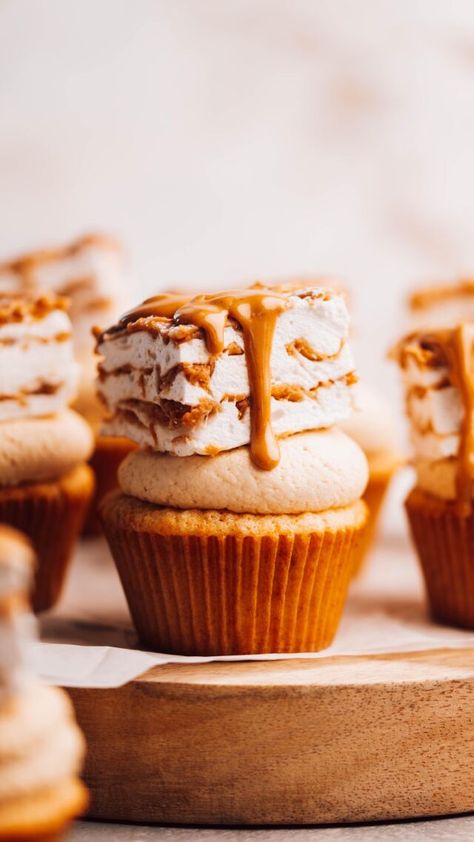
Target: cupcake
{"points": [[442, 304], [90, 273], [372, 427], [41, 747], [439, 384], [238, 517], [45, 485]]}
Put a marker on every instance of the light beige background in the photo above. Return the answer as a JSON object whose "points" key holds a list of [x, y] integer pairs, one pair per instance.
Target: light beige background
{"points": [[230, 138]]}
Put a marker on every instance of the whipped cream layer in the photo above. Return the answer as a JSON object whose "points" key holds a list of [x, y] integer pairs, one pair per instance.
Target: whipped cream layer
{"points": [[166, 391], [89, 272], [17, 624], [40, 743], [38, 373]]}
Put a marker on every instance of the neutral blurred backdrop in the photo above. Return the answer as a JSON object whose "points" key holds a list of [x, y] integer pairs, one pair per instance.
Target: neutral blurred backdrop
{"points": [[228, 139]]}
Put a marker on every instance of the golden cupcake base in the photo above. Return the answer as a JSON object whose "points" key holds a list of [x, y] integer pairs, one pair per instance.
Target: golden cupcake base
{"points": [[105, 462], [210, 583], [445, 545], [51, 514]]}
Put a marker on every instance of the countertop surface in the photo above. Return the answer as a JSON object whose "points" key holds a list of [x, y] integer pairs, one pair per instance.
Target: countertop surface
{"points": [[437, 830]]}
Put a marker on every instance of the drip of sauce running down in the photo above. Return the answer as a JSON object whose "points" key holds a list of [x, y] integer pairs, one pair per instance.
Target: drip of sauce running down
{"points": [[459, 345], [256, 311]]}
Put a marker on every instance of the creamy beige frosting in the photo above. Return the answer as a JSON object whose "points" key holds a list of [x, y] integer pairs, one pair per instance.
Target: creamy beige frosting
{"points": [[40, 744], [317, 470], [371, 425], [16, 561], [438, 478], [37, 449]]}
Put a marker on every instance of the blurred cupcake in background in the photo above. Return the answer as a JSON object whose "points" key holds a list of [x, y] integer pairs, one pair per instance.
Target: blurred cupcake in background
{"points": [[41, 747], [442, 304], [90, 272], [45, 484], [373, 427], [438, 374]]}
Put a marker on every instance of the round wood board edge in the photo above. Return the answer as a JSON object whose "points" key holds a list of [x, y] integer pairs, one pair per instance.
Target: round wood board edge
{"points": [[304, 741]]}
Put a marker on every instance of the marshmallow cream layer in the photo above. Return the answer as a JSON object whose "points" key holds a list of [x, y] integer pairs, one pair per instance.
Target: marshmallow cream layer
{"points": [[166, 391], [38, 374], [435, 411], [89, 272], [433, 403]]}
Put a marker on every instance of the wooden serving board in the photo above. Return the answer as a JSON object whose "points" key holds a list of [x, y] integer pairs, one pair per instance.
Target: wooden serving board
{"points": [[343, 739]]}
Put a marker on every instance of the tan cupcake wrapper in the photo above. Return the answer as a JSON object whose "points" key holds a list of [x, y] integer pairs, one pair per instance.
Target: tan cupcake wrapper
{"points": [[52, 515], [109, 453], [219, 594], [445, 545]]}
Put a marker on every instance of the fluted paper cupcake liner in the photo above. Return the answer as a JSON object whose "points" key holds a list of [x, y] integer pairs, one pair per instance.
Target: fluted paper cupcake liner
{"points": [[52, 515], [445, 545], [109, 453], [218, 594]]}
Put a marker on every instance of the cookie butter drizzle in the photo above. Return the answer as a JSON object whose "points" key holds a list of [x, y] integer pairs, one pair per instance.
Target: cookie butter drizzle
{"points": [[256, 311], [459, 345]]}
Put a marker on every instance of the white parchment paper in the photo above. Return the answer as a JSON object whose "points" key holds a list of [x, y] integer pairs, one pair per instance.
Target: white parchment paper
{"points": [[90, 642]]}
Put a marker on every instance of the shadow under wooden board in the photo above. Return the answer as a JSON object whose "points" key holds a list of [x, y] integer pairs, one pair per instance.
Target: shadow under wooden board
{"points": [[343, 739]]}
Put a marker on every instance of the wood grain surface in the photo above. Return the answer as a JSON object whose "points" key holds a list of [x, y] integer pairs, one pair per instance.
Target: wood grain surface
{"points": [[285, 742]]}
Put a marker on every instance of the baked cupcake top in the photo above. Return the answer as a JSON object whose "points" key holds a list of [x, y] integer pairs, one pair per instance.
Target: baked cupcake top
{"points": [[88, 271], [40, 744], [38, 373], [438, 377], [211, 373]]}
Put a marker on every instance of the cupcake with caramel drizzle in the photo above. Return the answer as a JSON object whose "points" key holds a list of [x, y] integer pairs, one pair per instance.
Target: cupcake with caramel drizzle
{"points": [[45, 483], [90, 274], [438, 374], [41, 747], [238, 516]]}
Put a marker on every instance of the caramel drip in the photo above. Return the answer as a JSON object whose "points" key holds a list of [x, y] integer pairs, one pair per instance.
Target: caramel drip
{"points": [[160, 306], [256, 311], [459, 351]]}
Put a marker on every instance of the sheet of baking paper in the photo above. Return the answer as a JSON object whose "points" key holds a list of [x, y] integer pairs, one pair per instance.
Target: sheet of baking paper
{"points": [[89, 641]]}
